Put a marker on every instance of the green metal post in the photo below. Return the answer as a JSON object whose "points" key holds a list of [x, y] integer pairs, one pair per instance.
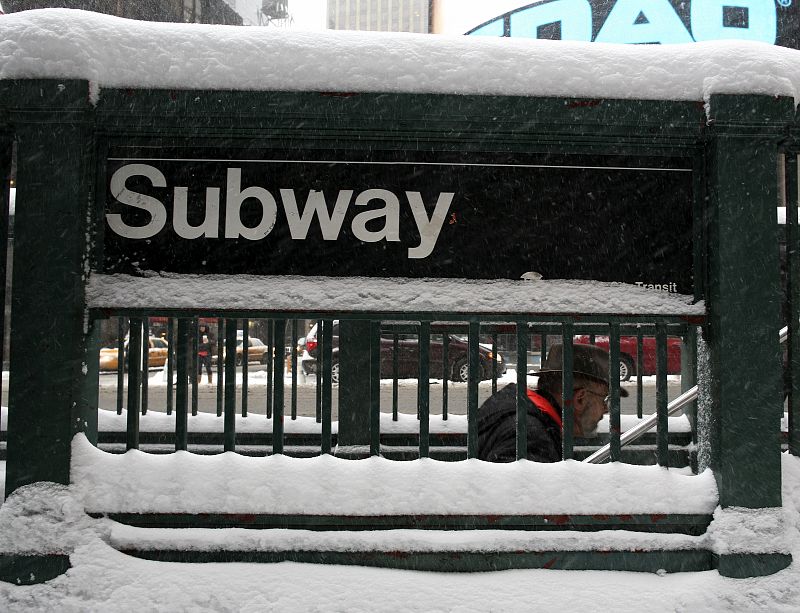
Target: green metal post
{"points": [[270, 366], [170, 362], [120, 363], [48, 400], [355, 397], [294, 370], [183, 365], [194, 362], [567, 393], [278, 404], [689, 374], [793, 295], [424, 388], [375, 388], [145, 363], [327, 384], [472, 389], [743, 309], [446, 370], [662, 427], [395, 376], [230, 385], [522, 390], [220, 365], [639, 372], [614, 427], [134, 381], [246, 363]]}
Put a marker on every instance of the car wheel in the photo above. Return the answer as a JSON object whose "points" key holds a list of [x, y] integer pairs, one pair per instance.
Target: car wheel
{"points": [[335, 373], [264, 358], [625, 368], [238, 360], [461, 370]]}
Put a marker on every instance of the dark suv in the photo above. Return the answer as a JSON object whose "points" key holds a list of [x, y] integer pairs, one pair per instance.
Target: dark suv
{"points": [[408, 356]]}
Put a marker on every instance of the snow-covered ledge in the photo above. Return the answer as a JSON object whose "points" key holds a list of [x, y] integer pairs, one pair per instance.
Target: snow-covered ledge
{"points": [[113, 52], [360, 294], [182, 482]]}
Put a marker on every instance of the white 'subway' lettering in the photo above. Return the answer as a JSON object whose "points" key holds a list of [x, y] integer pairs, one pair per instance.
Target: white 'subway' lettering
{"points": [[299, 222]]}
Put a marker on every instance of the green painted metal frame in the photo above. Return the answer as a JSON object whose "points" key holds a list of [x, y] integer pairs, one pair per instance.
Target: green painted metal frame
{"points": [[61, 137]]}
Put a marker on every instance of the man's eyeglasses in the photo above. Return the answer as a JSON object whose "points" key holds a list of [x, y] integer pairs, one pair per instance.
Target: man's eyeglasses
{"points": [[606, 399]]}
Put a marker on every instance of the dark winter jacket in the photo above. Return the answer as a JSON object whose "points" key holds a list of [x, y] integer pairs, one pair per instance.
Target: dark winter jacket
{"points": [[497, 428]]}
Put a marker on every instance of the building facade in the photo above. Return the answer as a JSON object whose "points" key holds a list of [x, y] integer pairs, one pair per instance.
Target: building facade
{"points": [[380, 15], [189, 11]]}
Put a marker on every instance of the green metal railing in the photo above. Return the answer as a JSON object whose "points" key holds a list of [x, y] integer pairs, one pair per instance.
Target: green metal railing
{"points": [[233, 392]]}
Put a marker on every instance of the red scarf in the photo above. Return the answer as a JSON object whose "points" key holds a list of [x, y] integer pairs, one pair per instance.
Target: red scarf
{"points": [[545, 407]]}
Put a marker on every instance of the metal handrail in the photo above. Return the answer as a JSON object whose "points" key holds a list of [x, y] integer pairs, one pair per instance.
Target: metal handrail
{"points": [[642, 428]]}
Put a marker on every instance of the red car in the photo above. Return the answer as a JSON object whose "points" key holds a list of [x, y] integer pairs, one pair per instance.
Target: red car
{"points": [[628, 354]]}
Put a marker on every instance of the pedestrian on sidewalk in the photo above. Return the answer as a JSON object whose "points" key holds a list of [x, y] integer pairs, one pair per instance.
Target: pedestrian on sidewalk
{"points": [[497, 417], [204, 347]]}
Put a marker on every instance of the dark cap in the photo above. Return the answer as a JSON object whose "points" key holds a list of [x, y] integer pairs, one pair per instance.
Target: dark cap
{"points": [[587, 360]]}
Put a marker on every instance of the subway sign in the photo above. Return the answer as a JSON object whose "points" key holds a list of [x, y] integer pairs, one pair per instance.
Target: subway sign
{"points": [[397, 214], [649, 21]]}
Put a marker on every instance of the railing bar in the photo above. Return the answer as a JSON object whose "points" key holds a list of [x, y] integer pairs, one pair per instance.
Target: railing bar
{"points": [[277, 419], [318, 397], [639, 372], [270, 366], [229, 409], [792, 372], [220, 365], [5, 276], [542, 348], [327, 385], [183, 363], [445, 373], [395, 376], [120, 363], [246, 364], [614, 426], [522, 390], [170, 363], [472, 389], [423, 388], [494, 362], [294, 369], [195, 363], [375, 388], [662, 431], [145, 362], [568, 413], [134, 374]]}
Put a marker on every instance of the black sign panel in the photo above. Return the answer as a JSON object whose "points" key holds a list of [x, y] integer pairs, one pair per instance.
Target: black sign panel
{"points": [[391, 215]]}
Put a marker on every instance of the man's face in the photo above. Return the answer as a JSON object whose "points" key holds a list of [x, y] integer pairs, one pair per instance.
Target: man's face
{"points": [[590, 406]]}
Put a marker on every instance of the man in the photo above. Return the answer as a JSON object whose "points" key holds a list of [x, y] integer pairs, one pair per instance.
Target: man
{"points": [[497, 417]]}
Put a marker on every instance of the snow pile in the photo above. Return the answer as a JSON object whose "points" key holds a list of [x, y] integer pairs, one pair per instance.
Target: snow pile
{"points": [[45, 518], [486, 541], [182, 482], [741, 530], [102, 579], [376, 295], [114, 52]]}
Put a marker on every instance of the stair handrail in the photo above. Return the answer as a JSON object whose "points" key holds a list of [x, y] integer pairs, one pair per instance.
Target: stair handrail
{"points": [[645, 426]]}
